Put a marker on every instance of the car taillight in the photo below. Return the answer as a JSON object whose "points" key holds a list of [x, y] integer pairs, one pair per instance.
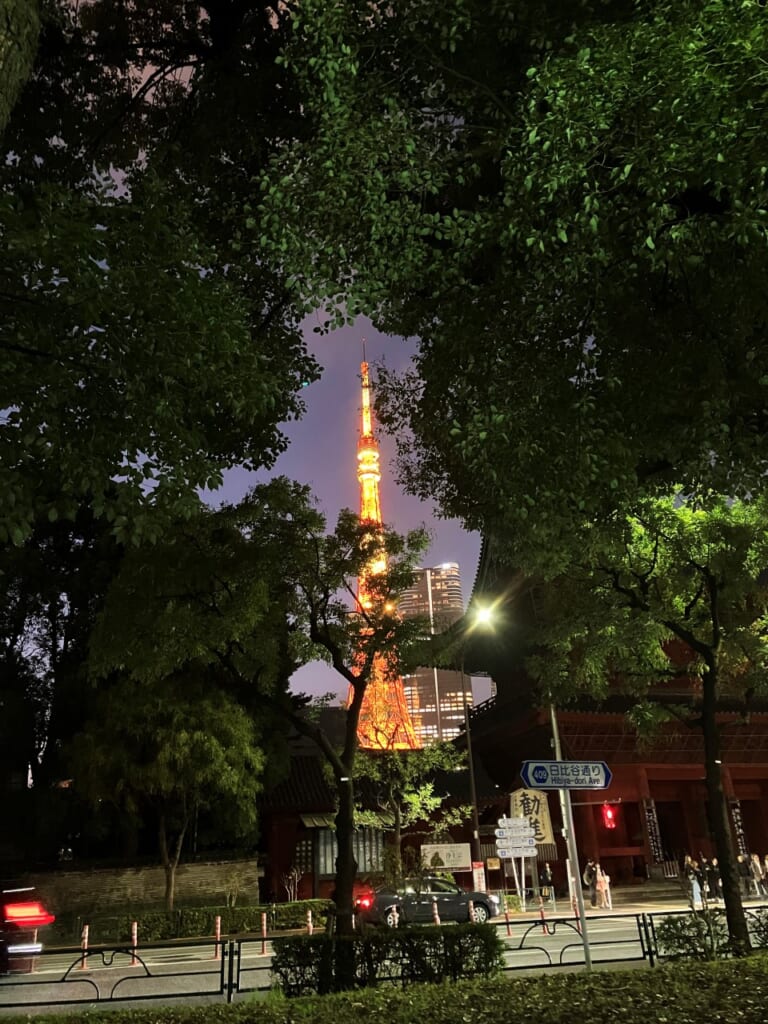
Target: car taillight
{"points": [[364, 902], [27, 915]]}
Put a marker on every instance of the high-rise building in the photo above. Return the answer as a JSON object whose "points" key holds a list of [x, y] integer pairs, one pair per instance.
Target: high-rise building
{"points": [[385, 721], [436, 697]]}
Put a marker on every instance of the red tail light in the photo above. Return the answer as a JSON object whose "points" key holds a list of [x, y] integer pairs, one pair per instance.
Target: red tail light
{"points": [[364, 902], [27, 915]]}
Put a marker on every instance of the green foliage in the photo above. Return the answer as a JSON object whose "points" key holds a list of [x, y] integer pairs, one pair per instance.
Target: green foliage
{"points": [[402, 783], [729, 991], [303, 965], [701, 935], [673, 571], [758, 920], [20, 21], [144, 350], [568, 206]]}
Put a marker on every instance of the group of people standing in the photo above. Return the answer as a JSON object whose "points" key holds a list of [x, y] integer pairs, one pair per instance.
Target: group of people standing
{"points": [[753, 874], [705, 884], [598, 885]]}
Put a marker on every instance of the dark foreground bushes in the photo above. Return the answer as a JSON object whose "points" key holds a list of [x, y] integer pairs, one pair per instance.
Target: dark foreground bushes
{"points": [[726, 992], [303, 964]]}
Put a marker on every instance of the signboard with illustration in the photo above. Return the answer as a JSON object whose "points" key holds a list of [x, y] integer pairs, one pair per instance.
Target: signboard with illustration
{"points": [[446, 856]]}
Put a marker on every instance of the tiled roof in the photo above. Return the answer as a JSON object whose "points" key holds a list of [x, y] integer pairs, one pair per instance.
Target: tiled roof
{"points": [[305, 788]]}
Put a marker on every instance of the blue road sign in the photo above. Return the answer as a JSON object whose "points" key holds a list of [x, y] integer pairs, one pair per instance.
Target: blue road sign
{"points": [[566, 775]]}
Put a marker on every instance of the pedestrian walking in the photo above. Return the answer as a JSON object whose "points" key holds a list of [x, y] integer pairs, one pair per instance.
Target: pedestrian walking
{"points": [[545, 881], [603, 886], [744, 872], [589, 878], [696, 884], [758, 877], [714, 882]]}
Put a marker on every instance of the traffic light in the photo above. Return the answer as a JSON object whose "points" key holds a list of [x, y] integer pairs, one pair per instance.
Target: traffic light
{"points": [[609, 816]]}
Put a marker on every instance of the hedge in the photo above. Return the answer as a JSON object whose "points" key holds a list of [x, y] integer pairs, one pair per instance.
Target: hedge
{"points": [[303, 965], [186, 922], [725, 992]]}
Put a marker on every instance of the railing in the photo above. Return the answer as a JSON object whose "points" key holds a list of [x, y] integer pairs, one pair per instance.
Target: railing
{"points": [[222, 969]]}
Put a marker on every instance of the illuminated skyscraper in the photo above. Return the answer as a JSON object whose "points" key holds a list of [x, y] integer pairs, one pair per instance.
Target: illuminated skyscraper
{"points": [[436, 696], [385, 721]]}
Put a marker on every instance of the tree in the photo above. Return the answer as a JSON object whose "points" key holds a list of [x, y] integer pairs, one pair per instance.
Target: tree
{"points": [[678, 594], [21, 21], [402, 783], [166, 749], [144, 348], [566, 204], [257, 589]]}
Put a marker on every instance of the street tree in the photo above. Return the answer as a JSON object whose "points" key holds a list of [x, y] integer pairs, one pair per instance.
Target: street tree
{"points": [[258, 589], [674, 610], [399, 792], [162, 751], [144, 347], [567, 204]]}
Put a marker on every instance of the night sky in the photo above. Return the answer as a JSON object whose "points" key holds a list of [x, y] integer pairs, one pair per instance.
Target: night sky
{"points": [[322, 453]]}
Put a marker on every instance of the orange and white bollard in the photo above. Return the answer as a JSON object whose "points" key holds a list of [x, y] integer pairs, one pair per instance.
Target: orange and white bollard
{"points": [[471, 912], [506, 918], [217, 936], [541, 915], [134, 942], [310, 927], [435, 914], [264, 934], [84, 946]]}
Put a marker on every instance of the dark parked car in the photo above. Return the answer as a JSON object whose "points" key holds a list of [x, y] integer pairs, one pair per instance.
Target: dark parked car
{"points": [[21, 915], [415, 899]]}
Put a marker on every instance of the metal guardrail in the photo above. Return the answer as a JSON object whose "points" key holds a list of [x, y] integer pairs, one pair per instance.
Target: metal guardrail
{"points": [[221, 969]]}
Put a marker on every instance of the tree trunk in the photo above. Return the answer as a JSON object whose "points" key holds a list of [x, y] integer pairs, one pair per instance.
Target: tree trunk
{"points": [[346, 865], [170, 859], [719, 821], [170, 884]]}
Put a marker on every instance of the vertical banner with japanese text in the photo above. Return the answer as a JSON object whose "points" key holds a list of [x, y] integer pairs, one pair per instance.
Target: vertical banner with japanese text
{"points": [[532, 804]]}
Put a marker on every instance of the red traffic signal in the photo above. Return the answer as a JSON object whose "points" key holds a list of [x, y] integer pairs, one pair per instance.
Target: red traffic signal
{"points": [[609, 816]]}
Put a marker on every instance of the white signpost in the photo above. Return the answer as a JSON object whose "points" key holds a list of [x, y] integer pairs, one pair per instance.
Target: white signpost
{"points": [[515, 837]]}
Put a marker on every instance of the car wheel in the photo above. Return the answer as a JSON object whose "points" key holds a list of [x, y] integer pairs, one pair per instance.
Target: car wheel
{"points": [[481, 913], [392, 918]]}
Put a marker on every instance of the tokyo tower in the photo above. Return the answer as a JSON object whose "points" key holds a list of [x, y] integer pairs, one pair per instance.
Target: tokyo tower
{"points": [[385, 721]]}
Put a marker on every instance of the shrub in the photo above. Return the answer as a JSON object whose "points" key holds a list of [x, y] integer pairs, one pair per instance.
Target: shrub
{"points": [[321, 964], [758, 927], [700, 935]]}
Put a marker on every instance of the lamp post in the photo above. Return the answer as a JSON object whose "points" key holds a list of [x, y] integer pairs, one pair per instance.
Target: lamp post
{"points": [[476, 852], [480, 616]]}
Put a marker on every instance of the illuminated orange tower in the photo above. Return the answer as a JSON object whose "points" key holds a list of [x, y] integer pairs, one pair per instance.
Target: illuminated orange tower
{"points": [[385, 721]]}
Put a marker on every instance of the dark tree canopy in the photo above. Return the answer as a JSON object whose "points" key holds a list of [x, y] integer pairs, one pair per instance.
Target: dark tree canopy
{"points": [[144, 341], [568, 204]]}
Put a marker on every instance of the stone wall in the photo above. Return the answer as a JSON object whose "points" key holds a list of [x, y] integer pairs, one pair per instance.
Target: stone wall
{"points": [[101, 888]]}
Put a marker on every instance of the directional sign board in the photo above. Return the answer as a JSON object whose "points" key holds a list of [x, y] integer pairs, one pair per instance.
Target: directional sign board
{"points": [[514, 825], [566, 774], [510, 852], [513, 835], [529, 842]]}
